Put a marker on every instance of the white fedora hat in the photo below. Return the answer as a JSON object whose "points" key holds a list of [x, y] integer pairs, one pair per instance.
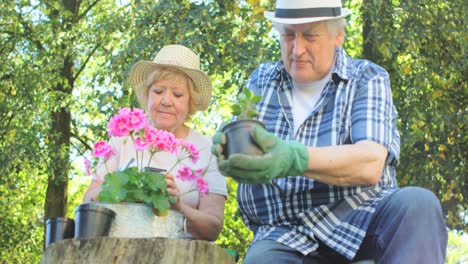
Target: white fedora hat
{"points": [[177, 57], [306, 11]]}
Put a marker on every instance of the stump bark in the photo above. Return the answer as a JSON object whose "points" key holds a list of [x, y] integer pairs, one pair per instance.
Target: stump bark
{"points": [[135, 250]]}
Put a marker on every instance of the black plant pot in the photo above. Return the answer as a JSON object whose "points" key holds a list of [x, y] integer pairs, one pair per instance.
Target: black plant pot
{"points": [[58, 228], [238, 137], [93, 221]]}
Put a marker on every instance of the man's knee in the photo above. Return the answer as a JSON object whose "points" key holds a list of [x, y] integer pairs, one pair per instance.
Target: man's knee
{"points": [[269, 251], [416, 199], [410, 220], [414, 208]]}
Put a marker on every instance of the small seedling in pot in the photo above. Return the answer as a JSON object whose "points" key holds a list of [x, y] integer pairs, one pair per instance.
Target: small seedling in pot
{"points": [[245, 107], [238, 139]]}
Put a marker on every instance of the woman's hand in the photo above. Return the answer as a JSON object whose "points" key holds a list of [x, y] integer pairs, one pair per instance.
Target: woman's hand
{"points": [[93, 192], [174, 191]]}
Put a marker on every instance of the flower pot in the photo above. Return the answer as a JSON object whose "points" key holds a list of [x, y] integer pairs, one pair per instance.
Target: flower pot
{"points": [[92, 220], [138, 220], [58, 228], [238, 139]]}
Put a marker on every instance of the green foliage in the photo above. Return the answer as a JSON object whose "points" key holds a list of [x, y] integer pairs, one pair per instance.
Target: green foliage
{"points": [[423, 44], [245, 106], [44, 49], [64, 69], [130, 185], [235, 235], [21, 238], [457, 249]]}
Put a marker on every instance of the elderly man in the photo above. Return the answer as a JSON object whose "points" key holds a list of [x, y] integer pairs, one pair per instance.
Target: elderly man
{"points": [[325, 191]]}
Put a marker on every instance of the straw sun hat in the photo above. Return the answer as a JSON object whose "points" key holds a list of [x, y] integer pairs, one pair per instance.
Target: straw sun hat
{"points": [[306, 11], [180, 58]]}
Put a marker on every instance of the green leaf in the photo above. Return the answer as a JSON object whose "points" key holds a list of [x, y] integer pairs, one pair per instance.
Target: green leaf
{"points": [[248, 94], [155, 181], [160, 202], [236, 110], [113, 187], [245, 106]]}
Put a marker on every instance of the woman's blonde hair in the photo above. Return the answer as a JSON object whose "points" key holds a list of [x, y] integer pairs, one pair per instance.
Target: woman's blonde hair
{"points": [[167, 73]]}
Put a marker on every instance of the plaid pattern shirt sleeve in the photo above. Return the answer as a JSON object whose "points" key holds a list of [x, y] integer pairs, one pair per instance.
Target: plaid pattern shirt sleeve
{"points": [[356, 104]]}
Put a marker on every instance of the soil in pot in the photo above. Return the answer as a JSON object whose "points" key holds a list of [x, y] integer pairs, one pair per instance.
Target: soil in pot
{"points": [[239, 139]]}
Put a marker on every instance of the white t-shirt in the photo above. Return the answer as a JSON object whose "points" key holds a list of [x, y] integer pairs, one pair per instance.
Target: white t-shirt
{"points": [[305, 97], [216, 182]]}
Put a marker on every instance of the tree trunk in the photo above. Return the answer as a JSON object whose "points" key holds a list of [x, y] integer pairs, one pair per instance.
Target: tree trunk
{"points": [[368, 42], [377, 20], [59, 136], [135, 250]]}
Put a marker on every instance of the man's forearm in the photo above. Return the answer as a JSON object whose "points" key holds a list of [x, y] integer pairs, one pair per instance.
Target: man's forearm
{"points": [[355, 164]]}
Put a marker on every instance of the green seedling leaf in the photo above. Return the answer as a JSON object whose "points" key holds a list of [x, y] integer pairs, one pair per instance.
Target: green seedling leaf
{"points": [[245, 106]]}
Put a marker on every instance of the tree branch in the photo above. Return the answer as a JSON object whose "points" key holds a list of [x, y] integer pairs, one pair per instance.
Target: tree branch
{"points": [[9, 116], [30, 31], [82, 141], [87, 10], [86, 61], [11, 33], [49, 6]]}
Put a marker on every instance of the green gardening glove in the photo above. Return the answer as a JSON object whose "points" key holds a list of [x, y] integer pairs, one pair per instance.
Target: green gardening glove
{"points": [[219, 141], [280, 159]]}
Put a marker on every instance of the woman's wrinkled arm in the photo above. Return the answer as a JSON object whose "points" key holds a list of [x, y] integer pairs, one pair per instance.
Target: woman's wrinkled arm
{"points": [[204, 222], [207, 221]]}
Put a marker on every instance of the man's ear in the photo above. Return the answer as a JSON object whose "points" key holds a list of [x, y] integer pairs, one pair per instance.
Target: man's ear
{"points": [[339, 38]]}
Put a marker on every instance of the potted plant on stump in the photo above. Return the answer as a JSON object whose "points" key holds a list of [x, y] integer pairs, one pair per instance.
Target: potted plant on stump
{"points": [[238, 139], [138, 193]]}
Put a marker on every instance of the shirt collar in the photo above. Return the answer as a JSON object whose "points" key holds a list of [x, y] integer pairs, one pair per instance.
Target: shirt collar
{"points": [[340, 71]]}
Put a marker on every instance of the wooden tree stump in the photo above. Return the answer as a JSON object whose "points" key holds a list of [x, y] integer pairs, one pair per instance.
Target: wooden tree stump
{"points": [[135, 250]]}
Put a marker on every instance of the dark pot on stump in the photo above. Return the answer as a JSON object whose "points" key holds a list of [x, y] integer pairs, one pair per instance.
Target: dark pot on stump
{"points": [[93, 220], [58, 228], [238, 138]]}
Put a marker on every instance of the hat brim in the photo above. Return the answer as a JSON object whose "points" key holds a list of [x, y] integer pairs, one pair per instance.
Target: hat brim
{"points": [[271, 16], [141, 70]]}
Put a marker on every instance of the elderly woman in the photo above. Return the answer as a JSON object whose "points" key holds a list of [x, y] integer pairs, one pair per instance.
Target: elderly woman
{"points": [[171, 89]]}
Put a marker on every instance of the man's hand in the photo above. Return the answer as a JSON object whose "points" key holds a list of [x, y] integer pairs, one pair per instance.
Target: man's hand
{"points": [[280, 158]]}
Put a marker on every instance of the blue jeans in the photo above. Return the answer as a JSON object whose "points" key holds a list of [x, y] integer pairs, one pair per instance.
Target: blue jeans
{"points": [[407, 227]]}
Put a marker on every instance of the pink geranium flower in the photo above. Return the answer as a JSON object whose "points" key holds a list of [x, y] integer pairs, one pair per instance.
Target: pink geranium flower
{"points": [[126, 121], [119, 126], [160, 140], [137, 119], [103, 150], [140, 144], [125, 111], [187, 174], [133, 125], [87, 166], [192, 151], [202, 185]]}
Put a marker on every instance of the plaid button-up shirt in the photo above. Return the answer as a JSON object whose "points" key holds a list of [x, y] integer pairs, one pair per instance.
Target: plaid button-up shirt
{"points": [[356, 104]]}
